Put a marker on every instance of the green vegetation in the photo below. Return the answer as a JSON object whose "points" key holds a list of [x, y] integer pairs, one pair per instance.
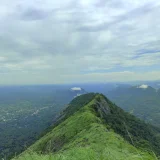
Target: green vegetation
{"points": [[22, 123], [97, 130], [25, 112], [143, 135], [143, 103]]}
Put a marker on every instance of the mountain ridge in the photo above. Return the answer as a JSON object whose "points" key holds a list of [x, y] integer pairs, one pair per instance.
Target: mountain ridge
{"points": [[90, 127]]}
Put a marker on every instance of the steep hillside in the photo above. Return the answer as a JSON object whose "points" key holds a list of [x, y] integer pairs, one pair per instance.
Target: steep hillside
{"points": [[92, 127], [143, 101]]}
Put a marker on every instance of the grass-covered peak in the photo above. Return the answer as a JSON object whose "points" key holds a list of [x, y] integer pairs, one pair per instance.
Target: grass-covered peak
{"points": [[89, 131]]}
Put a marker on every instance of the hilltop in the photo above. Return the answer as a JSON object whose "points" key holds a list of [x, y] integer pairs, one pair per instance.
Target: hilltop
{"points": [[92, 127]]}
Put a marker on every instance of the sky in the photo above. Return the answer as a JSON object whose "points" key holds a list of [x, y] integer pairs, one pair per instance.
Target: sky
{"points": [[72, 41]]}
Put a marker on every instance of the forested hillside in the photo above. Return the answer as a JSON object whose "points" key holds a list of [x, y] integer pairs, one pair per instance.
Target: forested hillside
{"points": [[141, 102], [26, 111], [92, 127]]}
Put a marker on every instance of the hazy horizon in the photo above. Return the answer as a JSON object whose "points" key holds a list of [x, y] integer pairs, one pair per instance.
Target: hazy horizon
{"points": [[84, 41]]}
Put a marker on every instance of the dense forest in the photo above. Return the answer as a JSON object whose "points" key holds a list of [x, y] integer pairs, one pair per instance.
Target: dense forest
{"points": [[26, 111]]}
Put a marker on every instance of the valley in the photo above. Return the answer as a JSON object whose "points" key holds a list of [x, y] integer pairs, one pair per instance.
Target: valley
{"points": [[25, 112]]}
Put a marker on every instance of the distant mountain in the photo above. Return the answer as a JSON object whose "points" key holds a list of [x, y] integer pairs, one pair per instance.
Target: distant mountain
{"points": [[92, 127], [142, 89], [135, 90], [103, 88], [141, 100], [77, 91], [154, 84]]}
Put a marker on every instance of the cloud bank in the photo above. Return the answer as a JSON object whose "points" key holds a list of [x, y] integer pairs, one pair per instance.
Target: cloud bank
{"points": [[79, 41]]}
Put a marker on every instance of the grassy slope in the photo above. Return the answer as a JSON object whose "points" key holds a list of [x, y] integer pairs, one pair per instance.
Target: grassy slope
{"points": [[83, 136]]}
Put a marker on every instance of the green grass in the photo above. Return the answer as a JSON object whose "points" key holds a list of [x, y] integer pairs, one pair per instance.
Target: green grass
{"points": [[83, 136]]}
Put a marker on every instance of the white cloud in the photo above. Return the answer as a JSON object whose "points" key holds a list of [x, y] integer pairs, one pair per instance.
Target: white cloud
{"points": [[76, 89], [143, 86], [65, 39], [124, 76]]}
